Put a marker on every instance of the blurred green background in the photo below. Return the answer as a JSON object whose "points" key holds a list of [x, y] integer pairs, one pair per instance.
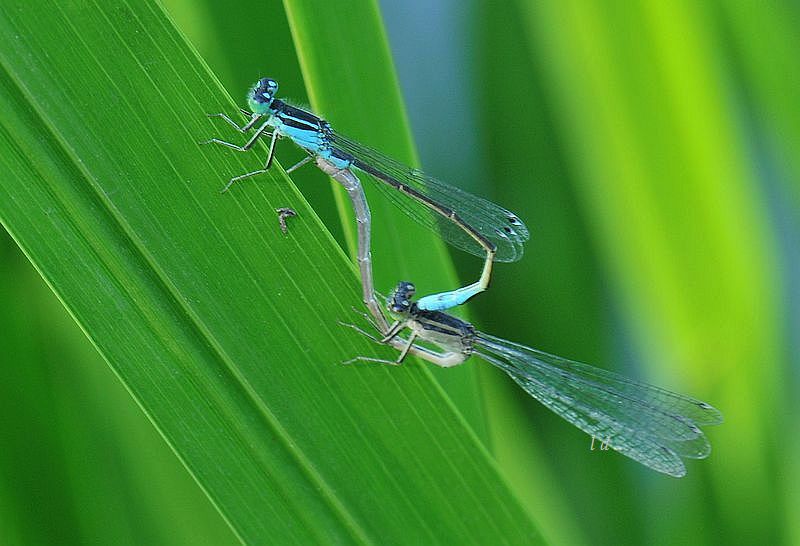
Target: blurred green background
{"points": [[653, 149]]}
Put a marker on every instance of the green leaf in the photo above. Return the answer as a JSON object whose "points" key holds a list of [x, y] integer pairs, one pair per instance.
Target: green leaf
{"points": [[80, 461], [350, 77], [224, 330]]}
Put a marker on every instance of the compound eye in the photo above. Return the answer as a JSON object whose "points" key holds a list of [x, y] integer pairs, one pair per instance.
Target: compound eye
{"points": [[264, 91], [406, 288]]}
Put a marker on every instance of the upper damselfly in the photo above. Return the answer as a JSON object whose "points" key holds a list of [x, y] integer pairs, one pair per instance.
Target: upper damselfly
{"points": [[469, 223]]}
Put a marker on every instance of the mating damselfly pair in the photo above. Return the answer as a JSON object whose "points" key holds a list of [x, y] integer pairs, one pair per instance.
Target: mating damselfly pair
{"points": [[653, 426]]}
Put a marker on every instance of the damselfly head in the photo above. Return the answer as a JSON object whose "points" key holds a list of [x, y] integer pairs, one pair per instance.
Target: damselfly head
{"points": [[261, 95], [399, 300]]}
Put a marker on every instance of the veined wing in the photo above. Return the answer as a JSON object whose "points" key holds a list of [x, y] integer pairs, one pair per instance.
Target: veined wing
{"points": [[649, 424], [494, 223]]}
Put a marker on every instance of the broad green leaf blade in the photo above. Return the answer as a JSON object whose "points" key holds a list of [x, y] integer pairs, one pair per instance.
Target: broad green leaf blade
{"points": [[350, 78], [80, 462], [223, 329]]}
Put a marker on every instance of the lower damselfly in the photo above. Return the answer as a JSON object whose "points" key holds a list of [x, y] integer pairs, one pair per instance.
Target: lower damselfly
{"points": [[651, 425]]}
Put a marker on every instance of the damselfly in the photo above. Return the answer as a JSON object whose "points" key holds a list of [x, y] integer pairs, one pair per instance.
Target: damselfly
{"points": [[469, 223], [651, 425]]}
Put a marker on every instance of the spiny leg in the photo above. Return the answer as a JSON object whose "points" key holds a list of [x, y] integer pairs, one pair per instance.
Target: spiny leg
{"points": [[406, 347], [369, 318], [360, 331], [372, 338], [244, 128], [247, 145], [266, 167], [271, 154], [299, 164], [409, 344], [393, 331], [371, 359]]}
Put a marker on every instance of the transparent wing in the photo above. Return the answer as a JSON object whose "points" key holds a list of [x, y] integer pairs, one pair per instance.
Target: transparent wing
{"points": [[651, 425], [493, 222]]}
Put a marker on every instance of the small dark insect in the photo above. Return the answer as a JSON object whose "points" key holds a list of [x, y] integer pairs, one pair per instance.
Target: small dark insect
{"points": [[283, 214]]}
